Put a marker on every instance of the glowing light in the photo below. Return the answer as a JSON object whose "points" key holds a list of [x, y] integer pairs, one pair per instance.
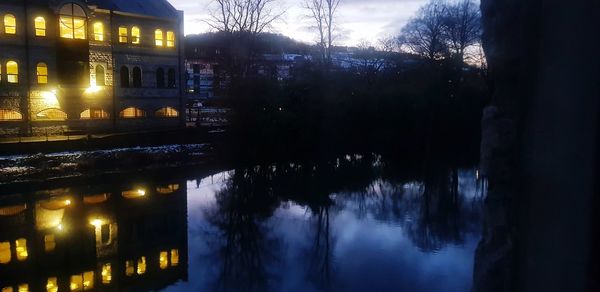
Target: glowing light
{"points": [[106, 273], [59, 227], [97, 222], [141, 266], [22, 253], [52, 285], [93, 89], [141, 192], [163, 260], [67, 202]]}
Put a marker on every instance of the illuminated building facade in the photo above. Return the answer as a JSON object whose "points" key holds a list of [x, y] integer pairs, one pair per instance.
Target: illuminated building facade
{"points": [[95, 65], [128, 237]]}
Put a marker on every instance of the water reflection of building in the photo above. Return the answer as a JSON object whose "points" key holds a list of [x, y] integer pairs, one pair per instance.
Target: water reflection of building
{"points": [[107, 239]]}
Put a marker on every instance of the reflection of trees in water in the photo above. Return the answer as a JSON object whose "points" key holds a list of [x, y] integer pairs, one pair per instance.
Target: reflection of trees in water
{"points": [[433, 213], [245, 249]]}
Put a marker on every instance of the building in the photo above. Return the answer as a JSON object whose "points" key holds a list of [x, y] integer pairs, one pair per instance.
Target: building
{"points": [[90, 66]]}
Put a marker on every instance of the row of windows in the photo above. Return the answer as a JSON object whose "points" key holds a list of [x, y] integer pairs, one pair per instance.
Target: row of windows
{"points": [[53, 114], [73, 25], [86, 280], [137, 77], [12, 75]]}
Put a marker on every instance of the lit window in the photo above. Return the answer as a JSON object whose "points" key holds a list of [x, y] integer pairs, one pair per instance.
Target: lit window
{"points": [[72, 22], [10, 115], [158, 37], [42, 73], [7, 289], [123, 37], [163, 260], [129, 269], [141, 266], [23, 288], [94, 114], [49, 242], [170, 39], [106, 273], [98, 31], [12, 72], [132, 112], [135, 35], [5, 255], [51, 114], [21, 245], [10, 24], [167, 112], [40, 26], [174, 257], [52, 285]]}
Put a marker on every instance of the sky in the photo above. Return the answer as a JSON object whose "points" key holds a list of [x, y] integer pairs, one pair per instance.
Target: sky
{"points": [[358, 20]]}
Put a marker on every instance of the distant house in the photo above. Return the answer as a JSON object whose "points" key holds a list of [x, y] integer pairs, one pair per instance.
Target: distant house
{"points": [[95, 65]]}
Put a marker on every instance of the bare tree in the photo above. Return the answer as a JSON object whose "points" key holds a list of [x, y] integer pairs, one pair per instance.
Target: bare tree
{"points": [[324, 12], [424, 34], [247, 16], [462, 27]]}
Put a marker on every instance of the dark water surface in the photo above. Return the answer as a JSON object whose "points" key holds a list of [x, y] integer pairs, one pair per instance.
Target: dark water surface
{"points": [[352, 224]]}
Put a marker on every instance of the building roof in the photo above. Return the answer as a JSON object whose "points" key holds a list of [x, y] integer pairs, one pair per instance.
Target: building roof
{"points": [[156, 8]]}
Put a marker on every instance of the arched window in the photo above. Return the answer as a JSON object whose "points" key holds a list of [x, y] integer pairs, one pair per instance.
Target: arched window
{"points": [[160, 78], [94, 114], [158, 38], [132, 112], [40, 26], [51, 114], [123, 35], [171, 78], [42, 73], [10, 24], [98, 31], [10, 115], [124, 77], [135, 35], [73, 22], [166, 112], [100, 76], [137, 77], [12, 72], [170, 39]]}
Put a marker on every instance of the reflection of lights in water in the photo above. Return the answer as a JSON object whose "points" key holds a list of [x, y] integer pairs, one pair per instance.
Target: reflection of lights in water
{"points": [[52, 285], [141, 266], [106, 273], [97, 222], [477, 174], [163, 260], [22, 253]]}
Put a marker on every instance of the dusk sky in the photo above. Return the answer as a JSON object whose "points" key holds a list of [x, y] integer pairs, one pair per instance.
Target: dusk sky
{"points": [[358, 19]]}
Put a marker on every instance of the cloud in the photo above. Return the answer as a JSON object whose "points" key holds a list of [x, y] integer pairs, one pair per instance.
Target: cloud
{"points": [[357, 19]]}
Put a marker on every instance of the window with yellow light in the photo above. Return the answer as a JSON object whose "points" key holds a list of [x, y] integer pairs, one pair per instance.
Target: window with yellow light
{"points": [[10, 24], [141, 266], [106, 273], [98, 31], [170, 39], [12, 72], [123, 35], [42, 73], [158, 38], [52, 284], [40, 26], [49, 242], [135, 35], [72, 22]]}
